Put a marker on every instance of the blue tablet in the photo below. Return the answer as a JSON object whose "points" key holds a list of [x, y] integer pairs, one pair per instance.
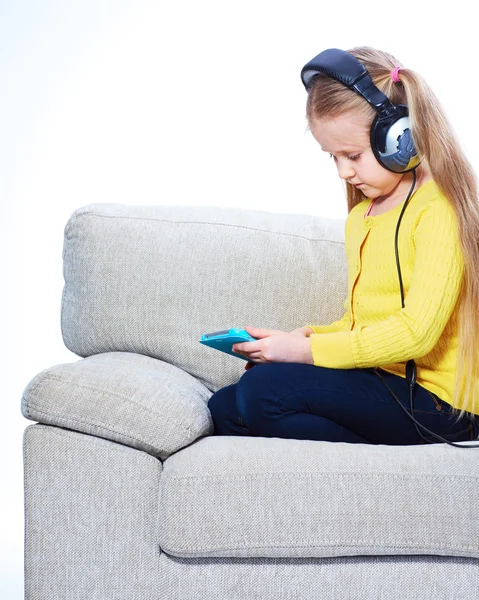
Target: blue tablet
{"points": [[224, 340]]}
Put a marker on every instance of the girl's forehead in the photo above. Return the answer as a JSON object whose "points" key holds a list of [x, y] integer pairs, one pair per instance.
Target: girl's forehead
{"points": [[340, 131], [350, 117]]}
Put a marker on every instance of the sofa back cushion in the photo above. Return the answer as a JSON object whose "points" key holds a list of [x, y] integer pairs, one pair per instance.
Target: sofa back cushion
{"points": [[153, 279]]}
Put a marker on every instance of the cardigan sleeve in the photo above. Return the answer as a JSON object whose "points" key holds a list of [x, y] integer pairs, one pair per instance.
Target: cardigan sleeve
{"points": [[413, 331]]}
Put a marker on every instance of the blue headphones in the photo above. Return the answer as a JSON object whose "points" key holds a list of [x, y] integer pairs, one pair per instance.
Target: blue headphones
{"points": [[391, 139]]}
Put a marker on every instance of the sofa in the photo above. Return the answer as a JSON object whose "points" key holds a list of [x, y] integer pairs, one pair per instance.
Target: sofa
{"points": [[129, 494]]}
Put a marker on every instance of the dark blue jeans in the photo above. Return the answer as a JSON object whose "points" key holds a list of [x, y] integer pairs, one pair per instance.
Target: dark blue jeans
{"points": [[306, 402]]}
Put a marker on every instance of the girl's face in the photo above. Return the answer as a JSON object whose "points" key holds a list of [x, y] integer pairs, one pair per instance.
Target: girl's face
{"points": [[346, 138]]}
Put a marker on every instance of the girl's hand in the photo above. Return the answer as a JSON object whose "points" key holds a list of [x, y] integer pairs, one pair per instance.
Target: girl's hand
{"points": [[274, 345], [255, 332]]}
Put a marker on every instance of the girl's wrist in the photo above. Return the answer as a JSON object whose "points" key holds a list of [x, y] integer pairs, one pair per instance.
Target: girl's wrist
{"points": [[308, 354]]}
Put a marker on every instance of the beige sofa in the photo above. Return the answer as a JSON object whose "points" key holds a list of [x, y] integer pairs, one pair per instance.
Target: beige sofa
{"points": [[129, 496]]}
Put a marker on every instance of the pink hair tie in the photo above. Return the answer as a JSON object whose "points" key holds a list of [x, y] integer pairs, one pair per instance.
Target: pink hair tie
{"points": [[394, 74]]}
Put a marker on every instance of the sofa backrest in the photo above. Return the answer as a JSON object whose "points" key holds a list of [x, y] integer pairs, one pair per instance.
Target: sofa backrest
{"points": [[153, 279]]}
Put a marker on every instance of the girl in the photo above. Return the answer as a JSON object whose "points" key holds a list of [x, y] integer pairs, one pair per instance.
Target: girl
{"points": [[334, 382]]}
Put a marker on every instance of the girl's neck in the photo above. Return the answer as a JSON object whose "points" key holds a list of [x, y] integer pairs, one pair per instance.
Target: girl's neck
{"points": [[400, 192]]}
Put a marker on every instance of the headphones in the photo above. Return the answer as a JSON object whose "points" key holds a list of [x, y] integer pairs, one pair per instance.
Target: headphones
{"points": [[391, 138]]}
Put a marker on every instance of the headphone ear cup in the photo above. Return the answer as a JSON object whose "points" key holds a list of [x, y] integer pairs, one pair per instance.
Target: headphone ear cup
{"points": [[392, 142]]}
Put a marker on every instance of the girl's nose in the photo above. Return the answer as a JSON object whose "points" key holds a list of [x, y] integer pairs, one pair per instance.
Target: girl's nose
{"points": [[346, 171]]}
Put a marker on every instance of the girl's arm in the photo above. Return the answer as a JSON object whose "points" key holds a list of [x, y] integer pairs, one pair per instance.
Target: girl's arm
{"points": [[341, 325], [413, 331]]}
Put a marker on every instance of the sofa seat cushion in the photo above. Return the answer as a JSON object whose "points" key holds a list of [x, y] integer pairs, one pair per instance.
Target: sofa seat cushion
{"points": [[233, 496]]}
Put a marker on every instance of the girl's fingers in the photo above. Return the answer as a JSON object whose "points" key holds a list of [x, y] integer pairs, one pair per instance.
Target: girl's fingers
{"points": [[242, 347], [258, 331]]}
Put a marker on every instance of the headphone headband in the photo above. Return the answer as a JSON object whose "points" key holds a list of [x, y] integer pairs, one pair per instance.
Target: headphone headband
{"points": [[347, 69]]}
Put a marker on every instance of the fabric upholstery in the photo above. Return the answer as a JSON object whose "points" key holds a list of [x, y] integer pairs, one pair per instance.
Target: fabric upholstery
{"points": [[234, 496], [124, 397], [341, 578], [92, 523], [152, 279], [91, 518]]}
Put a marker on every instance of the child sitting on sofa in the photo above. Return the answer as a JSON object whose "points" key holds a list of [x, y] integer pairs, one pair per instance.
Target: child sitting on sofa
{"points": [[350, 381]]}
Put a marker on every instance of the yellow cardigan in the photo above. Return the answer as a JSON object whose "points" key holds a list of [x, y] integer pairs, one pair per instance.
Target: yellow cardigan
{"points": [[376, 331]]}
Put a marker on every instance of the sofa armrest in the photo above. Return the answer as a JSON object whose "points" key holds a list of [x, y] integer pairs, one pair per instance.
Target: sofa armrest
{"points": [[128, 398]]}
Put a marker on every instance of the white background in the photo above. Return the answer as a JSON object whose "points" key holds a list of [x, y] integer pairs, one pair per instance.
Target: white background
{"points": [[154, 102]]}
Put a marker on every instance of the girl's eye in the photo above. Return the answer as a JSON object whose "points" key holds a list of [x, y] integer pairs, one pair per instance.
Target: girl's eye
{"points": [[350, 157]]}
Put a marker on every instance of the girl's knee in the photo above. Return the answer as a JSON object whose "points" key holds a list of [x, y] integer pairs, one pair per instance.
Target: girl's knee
{"points": [[214, 404], [252, 397], [222, 404], [224, 413], [219, 401]]}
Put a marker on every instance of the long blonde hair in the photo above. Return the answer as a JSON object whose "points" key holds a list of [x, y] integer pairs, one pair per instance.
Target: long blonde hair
{"points": [[442, 156]]}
